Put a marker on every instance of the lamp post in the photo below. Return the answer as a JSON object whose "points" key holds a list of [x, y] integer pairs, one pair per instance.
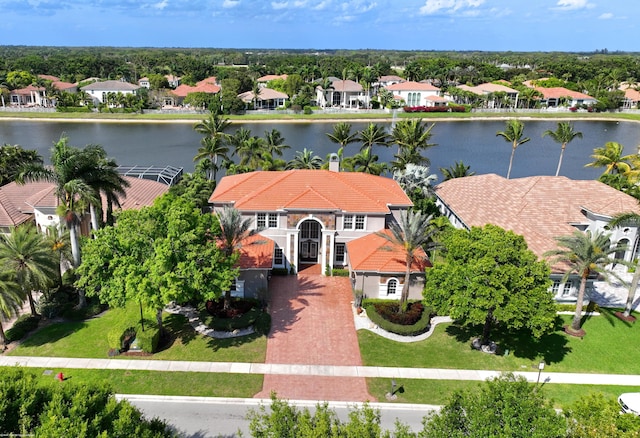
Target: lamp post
{"points": [[540, 368]]}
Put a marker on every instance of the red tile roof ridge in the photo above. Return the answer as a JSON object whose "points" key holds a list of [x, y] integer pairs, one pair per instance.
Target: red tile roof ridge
{"points": [[265, 187], [234, 181], [374, 252], [315, 192]]}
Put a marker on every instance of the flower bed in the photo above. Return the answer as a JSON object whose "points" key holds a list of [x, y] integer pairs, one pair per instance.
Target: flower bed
{"points": [[410, 323], [435, 109]]}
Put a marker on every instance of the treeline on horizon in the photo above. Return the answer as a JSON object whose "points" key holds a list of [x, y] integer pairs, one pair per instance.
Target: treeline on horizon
{"points": [[73, 64]]}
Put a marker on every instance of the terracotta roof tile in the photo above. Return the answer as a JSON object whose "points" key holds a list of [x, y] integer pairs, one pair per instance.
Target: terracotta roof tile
{"points": [[558, 92], [256, 252], [309, 189], [412, 86], [377, 254], [346, 86]]}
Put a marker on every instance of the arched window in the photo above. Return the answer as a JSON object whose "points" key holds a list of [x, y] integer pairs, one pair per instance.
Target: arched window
{"points": [[622, 247], [392, 286]]}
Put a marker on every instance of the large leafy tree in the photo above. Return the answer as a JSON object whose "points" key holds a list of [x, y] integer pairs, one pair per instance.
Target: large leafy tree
{"points": [[11, 299], [513, 134], [25, 253], [163, 253], [584, 254], [414, 233], [595, 416], [488, 277], [13, 158], [563, 134], [503, 407]]}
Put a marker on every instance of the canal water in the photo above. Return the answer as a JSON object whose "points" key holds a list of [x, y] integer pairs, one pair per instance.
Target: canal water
{"points": [[473, 142]]}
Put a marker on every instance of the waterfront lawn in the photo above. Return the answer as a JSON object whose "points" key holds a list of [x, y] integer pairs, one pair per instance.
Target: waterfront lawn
{"points": [[88, 339], [438, 392], [160, 382], [609, 347]]}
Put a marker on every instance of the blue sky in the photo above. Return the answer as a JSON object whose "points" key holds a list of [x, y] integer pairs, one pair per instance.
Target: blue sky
{"points": [[491, 25]]}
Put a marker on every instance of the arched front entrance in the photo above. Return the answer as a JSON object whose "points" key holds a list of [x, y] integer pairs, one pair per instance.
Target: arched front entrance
{"points": [[309, 241]]}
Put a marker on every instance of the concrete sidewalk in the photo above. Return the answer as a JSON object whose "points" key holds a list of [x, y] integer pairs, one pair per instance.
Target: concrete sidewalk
{"points": [[313, 370]]}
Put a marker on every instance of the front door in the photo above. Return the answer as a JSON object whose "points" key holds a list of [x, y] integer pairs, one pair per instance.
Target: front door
{"points": [[309, 252], [309, 241]]}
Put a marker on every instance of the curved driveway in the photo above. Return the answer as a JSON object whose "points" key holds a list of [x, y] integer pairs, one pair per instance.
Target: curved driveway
{"points": [[312, 324]]}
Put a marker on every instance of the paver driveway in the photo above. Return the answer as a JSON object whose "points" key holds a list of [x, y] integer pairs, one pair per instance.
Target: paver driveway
{"points": [[312, 324]]}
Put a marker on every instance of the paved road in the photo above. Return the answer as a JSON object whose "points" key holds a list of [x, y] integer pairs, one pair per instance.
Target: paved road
{"points": [[202, 417]]}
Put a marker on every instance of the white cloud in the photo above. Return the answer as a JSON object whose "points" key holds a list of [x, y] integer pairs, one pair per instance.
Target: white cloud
{"points": [[279, 5], [300, 4], [227, 4], [606, 16], [322, 5], [448, 6], [161, 5], [569, 5]]}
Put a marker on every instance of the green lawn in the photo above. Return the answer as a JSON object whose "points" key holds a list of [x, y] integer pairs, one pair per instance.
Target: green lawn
{"points": [[610, 346], [438, 392], [162, 383], [89, 339]]}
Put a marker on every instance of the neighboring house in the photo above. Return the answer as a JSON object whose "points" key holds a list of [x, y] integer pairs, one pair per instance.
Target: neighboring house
{"points": [[264, 80], [417, 93], [631, 98], [266, 99], [208, 85], [37, 202], [557, 96], [490, 89], [99, 91], [144, 83], [312, 215], [345, 94], [29, 96], [173, 81], [540, 208], [386, 80]]}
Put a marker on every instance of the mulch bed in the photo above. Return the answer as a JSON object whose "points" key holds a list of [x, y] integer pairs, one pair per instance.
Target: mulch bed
{"points": [[238, 308], [620, 315], [576, 333]]}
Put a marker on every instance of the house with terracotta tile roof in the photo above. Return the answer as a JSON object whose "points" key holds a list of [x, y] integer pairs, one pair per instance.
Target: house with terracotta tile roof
{"points": [[318, 217], [263, 80], [631, 98], [266, 99], [342, 93], [490, 89], [417, 93], [37, 202], [540, 208], [208, 85], [556, 96]]}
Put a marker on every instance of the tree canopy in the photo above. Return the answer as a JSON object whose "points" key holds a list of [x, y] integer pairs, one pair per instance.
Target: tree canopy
{"points": [[490, 276]]}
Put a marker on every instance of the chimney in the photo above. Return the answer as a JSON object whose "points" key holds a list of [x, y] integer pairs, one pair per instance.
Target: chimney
{"points": [[334, 163]]}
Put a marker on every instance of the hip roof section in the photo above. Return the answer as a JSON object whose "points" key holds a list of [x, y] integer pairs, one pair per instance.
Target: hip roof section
{"points": [[322, 190]]}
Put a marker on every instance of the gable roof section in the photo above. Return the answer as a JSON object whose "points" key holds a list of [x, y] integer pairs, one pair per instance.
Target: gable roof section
{"points": [[377, 254], [256, 252], [204, 86], [540, 208], [347, 86], [558, 92], [412, 86], [264, 94], [267, 78], [309, 190], [110, 86]]}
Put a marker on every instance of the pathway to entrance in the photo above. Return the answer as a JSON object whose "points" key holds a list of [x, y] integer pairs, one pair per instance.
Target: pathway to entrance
{"points": [[312, 324]]}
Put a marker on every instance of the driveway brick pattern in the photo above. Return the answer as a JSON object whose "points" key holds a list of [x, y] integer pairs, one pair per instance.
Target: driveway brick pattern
{"points": [[312, 324]]}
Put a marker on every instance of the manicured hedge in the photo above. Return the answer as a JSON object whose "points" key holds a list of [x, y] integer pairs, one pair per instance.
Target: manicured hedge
{"points": [[230, 324], [405, 330], [337, 272], [435, 109], [23, 325], [262, 325], [117, 335], [148, 339]]}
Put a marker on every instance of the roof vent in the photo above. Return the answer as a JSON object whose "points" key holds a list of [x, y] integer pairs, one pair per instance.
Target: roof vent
{"points": [[334, 162]]}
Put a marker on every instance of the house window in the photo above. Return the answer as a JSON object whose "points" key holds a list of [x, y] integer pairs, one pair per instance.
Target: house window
{"points": [[567, 289], [392, 286], [310, 230], [261, 221], [360, 222], [348, 222], [264, 219], [273, 220], [340, 247], [555, 288], [278, 257]]}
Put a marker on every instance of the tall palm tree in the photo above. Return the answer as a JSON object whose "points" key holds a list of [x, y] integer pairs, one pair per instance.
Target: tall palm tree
{"points": [[305, 160], [11, 299], [58, 239], [275, 142], [342, 136], [564, 134], [584, 254], [610, 157], [412, 136], [365, 162], [212, 149], [234, 230], [25, 253], [458, 170], [513, 134], [414, 232], [214, 125], [250, 152], [372, 135]]}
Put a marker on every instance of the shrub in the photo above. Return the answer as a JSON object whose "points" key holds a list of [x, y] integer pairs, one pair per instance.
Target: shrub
{"points": [[57, 301], [307, 110], [93, 308], [73, 109], [279, 271], [117, 336], [245, 318], [148, 339], [262, 324], [420, 326], [337, 272], [23, 325]]}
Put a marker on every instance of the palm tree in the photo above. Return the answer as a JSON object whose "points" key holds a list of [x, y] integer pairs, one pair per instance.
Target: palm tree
{"points": [[585, 254], [212, 149], [564, 134], [11, 299], [414, 232], [58, 239], [412, 136], [25, 253], [365, 162], [610, 157], [305, 160], [513, 134], [274, 142], [234, 229], [458, 170], [342, 135], [213, 126], [251, 151], [373, 135]]}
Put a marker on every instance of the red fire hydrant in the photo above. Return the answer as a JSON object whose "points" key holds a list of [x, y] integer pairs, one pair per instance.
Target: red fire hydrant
{"points": [[60, 377]]}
